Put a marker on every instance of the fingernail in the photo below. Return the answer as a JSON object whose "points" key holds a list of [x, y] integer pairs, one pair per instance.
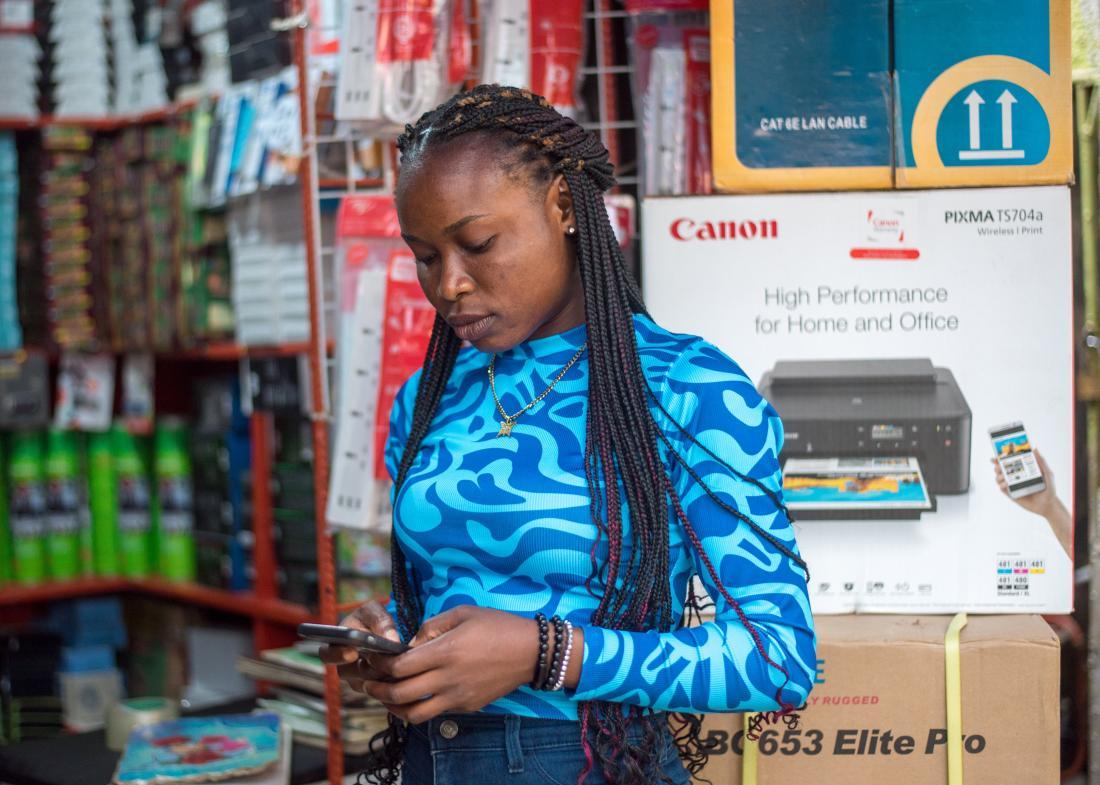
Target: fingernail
{"points": [[393, 636]]}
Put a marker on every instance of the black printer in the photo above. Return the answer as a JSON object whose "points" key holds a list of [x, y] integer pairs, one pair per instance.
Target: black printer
{"points": [[879, 407]]}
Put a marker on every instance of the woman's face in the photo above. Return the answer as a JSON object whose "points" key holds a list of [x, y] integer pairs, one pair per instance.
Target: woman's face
{"points": [[492, 250]]}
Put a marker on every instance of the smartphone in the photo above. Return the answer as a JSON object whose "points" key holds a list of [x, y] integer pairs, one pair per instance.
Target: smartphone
{"points": [[346, 636], [1012, 447]]}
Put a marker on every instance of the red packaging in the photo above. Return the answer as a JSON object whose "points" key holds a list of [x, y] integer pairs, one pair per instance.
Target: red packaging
{"points": [[557, 44], [405, 334], [697, 138], [406, 31]]}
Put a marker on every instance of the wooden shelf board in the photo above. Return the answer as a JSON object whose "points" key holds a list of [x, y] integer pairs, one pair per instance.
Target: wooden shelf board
{"points": [[107, 123], [240, 603]]}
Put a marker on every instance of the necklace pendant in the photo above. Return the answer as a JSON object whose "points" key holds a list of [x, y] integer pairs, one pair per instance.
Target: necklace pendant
{"points": [[506, 428]]}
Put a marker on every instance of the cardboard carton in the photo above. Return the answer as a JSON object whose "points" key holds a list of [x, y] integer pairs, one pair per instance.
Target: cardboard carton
{"points": [[878, 713], [982, 92], [800, 95]]}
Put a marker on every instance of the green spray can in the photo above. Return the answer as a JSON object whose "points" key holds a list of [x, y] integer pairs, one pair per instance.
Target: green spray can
{"points": [[176, 514], [6, 567], [28, 507], [132, 486], [87, 558], [104, 504], [64, 498]]}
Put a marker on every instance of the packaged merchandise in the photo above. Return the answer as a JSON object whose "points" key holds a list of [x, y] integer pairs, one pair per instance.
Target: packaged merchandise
{"points": [[85, 393], [367, 235], [133, 504], [801, 95], [11, 335], [80, 59], [20, 52], [67, 513], [66, 219], [983, 92], [398, 60], [856, 316], [672, 91], [862, 725], [26, 475], [537, 45], [103, 501], [269, 283], [7, 567], [175, 507]]}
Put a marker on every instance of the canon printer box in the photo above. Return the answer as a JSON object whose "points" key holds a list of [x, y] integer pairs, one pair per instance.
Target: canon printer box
{"points": [[982, 92], [918, 347]]}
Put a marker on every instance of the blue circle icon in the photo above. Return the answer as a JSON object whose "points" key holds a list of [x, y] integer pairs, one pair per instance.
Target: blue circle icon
{"points": [[993, 123]]}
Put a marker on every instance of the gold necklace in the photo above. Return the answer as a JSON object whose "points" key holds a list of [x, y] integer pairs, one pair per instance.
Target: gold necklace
{"points": [[510, 419]]}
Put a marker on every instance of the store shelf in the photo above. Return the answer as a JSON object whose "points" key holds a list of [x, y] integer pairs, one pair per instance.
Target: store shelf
{"points": [[222, 350], [235, 351], [240, 603], [108, 123]]}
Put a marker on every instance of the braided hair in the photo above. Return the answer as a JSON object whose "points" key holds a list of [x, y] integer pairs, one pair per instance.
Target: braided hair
{"points": [[622, 433]]}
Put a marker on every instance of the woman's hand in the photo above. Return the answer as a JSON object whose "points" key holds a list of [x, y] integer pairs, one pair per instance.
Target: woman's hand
{"points": [[460, 660], [369, 617]]}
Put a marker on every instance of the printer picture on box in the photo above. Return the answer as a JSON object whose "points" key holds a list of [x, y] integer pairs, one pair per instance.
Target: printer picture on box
{"points": [[873, 438]]}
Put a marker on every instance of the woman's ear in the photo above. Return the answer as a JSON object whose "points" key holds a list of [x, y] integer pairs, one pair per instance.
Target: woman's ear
{"points": [[560, 204]]}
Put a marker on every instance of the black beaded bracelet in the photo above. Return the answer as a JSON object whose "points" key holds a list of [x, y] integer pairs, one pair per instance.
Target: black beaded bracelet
{"points": [[559, 654], [541, 667]]}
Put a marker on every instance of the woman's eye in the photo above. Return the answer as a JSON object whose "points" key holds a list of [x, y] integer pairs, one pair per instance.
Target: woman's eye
{"points": [[426, 259], [482, 247]]}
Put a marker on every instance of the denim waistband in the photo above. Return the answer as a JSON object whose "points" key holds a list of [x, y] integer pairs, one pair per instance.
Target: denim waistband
{"points": [[493, 749], [480, 730]]}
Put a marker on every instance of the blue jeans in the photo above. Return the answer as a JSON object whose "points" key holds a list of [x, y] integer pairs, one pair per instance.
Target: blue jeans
{"points": [[493, 749]]}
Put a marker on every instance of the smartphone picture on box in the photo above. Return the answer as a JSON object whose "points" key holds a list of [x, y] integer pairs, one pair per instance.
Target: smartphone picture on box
{"points": [[1012, 447]]}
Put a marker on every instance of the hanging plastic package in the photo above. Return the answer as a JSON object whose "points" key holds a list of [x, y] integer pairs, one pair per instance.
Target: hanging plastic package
{"points": [[535, 44], [671, 58], [367, 232]]}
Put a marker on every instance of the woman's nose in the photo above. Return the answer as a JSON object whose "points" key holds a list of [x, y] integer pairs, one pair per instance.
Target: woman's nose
{"points": [[454, 281]]}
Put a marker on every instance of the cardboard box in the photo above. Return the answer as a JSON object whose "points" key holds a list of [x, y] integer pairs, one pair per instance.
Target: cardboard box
{"points": [[982, 92], [800, 95], [878, 712], [892, 331]]}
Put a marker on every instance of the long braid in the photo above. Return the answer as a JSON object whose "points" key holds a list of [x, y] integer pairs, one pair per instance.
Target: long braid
{"points": [[623, 464]]}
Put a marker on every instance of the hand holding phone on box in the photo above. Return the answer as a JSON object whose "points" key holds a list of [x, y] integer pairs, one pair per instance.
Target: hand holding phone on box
{"points": [[1017, 460]]}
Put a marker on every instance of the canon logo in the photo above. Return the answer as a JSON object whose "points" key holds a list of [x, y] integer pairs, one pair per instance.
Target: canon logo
{"points": [[686, 229]]}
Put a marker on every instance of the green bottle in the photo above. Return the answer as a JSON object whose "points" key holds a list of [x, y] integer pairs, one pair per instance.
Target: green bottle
{"points": [[176, 515], [104, 504], [87, 552], [6, 567], [26, 472], [64, 498], [132, 485]]}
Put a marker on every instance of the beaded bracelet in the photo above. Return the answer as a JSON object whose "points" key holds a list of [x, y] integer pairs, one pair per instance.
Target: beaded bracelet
{"points": [[560, 683], [541, 669], [559, 652]]}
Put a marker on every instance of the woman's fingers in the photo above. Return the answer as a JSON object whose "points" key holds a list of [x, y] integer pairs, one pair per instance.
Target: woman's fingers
{"points": [[372, 617]]}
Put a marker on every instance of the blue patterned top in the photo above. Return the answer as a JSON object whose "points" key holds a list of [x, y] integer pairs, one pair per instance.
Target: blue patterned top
{"points": [[505, 523]]}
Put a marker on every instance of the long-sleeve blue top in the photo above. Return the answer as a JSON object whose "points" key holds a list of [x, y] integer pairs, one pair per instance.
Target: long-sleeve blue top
{"points": [[505, 523]]}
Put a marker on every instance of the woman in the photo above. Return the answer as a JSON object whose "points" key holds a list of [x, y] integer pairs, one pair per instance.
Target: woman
{"points": [[575, 461]]}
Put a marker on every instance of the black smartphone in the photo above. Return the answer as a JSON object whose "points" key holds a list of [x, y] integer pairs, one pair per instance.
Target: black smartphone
{"points": [[346, 636]]}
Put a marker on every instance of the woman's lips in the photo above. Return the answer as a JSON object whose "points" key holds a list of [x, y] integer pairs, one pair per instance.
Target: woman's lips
{"points": [[471, 328]]}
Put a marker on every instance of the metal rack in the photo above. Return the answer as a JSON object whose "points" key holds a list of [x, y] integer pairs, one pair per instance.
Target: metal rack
{"points": [[605, 76]]}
